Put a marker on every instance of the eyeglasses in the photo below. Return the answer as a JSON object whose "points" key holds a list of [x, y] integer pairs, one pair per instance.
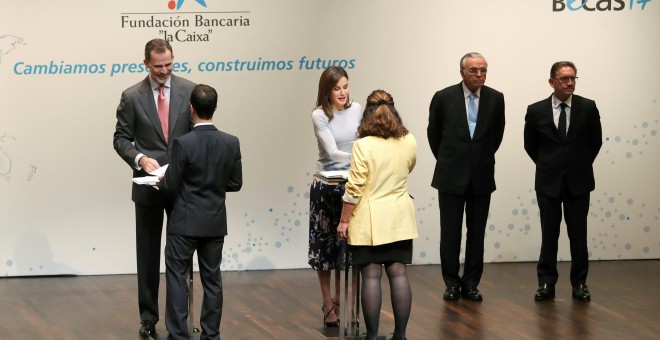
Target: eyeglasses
{"points": [[566, 79], [477, 70]]}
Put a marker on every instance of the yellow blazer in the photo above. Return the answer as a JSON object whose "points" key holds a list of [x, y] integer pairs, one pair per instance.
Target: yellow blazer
{"points": [[377, 183]]}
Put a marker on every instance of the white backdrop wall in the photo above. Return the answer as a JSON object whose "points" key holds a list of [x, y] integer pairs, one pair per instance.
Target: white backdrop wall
{"points": [[65, 203]]}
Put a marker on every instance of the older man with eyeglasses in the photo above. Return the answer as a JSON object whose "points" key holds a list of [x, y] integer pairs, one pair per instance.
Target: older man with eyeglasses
{"points": [[563, 136], [466, 127]]}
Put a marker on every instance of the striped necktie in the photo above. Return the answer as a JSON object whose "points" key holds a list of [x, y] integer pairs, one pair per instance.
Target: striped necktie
{"points": [[163, 111], [472, 114]]}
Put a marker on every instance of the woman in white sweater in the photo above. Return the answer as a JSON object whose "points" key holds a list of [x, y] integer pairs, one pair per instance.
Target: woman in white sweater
{"points": [[335, 121]]}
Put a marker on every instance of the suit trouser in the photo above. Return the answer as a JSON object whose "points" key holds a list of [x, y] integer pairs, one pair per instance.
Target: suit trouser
{"points": [[451, 230], [178, 259], [576, 209], [149, 229]]}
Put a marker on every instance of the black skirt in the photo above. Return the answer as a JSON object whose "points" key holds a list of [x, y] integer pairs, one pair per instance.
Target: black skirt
{"points": [[325, 204], [400, 251]]}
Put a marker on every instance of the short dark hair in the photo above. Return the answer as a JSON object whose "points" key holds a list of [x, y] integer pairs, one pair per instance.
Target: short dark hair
{"points": [[559, 65], [380, 117], [158, 45], [329, 78], [204, 100]]}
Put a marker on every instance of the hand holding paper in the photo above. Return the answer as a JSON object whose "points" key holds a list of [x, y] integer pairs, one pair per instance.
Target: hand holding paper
{"points": [[160, 171], [152, 180]]}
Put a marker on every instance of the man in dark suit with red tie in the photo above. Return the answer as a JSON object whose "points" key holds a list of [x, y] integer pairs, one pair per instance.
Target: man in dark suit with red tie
{"points": [[563, 136], [205, 165], [466, 127], [150, 115]]}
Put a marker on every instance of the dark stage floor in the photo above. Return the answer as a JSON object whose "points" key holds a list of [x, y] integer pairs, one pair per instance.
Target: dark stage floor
{"points": [[285, 304]]}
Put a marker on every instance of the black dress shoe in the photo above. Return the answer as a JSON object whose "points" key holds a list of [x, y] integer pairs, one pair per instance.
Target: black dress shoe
{"points": [[148, 328], [472, 293], [452, 293], [581, 293], [545, 292]]}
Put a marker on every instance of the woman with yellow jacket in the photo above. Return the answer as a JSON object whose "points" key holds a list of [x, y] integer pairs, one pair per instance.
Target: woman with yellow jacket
{"points": [[378, 215]]}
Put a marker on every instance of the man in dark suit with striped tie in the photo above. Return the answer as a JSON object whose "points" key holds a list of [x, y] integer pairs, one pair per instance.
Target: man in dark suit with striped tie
{"points": [[563, 136], [150, 115], [466, 127]]}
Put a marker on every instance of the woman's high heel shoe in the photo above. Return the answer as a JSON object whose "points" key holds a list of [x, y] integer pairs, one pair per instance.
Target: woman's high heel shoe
{"points": [[326, 314], [335, 303]]}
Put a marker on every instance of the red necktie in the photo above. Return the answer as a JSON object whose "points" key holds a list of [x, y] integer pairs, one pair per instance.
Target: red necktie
{"points": [[163, 111]]}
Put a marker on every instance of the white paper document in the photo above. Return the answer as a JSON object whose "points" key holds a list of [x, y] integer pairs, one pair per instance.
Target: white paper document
{"points": [[146, 180], [343, 174], [160, 171], [151, 180]]}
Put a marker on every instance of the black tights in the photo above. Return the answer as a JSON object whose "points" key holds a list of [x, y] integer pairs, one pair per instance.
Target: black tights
{"points": [[372, 297]]}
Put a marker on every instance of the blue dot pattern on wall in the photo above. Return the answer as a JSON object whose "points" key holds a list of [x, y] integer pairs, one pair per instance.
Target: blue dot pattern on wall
{"points": [[236, 257], [609, 214]]}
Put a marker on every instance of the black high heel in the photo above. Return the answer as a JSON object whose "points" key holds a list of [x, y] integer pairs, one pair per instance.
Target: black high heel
{"points": [[337, 308], [329, 324]]}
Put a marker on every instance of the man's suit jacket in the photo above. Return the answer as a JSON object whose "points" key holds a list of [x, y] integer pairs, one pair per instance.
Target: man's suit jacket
{"points": [[139, 130], [574, 157], [205, 165], [461, 160]]}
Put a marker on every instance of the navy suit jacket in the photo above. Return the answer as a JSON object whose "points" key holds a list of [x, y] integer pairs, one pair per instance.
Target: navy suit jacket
{"points": [[460, 160], [574, 158], [139, 130], [205, 165]]}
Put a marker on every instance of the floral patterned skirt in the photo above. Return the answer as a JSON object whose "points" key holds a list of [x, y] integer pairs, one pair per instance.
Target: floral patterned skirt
{"points": [[325, 204]]}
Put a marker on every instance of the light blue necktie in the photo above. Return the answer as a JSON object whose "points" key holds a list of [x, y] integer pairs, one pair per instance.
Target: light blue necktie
{"points": [[472, 114]]}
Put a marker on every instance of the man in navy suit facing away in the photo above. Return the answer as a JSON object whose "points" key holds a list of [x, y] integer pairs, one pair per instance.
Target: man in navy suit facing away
{"points": [[205, 164]]}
